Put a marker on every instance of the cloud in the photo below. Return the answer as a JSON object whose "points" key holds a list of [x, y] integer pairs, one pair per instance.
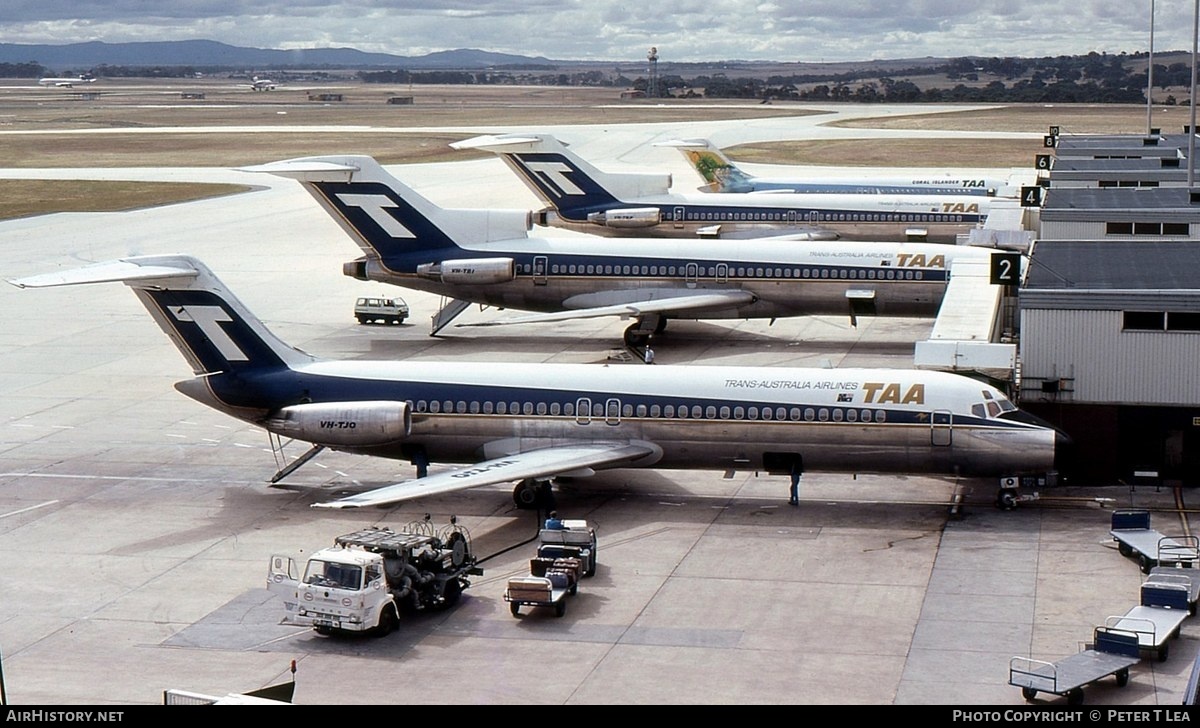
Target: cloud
{"points": [[687, 30]]}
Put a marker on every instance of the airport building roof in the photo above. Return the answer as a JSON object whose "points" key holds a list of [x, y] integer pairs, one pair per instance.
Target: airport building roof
{"points": [[1090, 204], [1106, 275]]}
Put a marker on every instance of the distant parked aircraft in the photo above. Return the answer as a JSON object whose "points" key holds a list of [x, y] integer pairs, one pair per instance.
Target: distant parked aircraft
{"points": [[260, 84], [67, 82], [722, 175]]}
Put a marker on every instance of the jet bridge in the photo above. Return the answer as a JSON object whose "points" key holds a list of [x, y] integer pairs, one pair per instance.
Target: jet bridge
{"points": [[975, 328], [967, 326]]}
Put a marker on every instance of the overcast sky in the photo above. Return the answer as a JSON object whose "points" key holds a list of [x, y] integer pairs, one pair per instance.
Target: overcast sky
{"points": [[682, 30]]}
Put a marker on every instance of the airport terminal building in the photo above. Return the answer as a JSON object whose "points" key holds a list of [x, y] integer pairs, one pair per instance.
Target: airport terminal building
{"points": [[1110, 320]]}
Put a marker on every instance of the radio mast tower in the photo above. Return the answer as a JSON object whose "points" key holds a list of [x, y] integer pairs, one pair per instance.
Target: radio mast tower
{"points": [[652, 84]]}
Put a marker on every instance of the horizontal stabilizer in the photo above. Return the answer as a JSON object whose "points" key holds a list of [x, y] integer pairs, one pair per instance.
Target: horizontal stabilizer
{"points": [[685, 144], [716, 300], [126, 269], [494, 140], [307, 169]]}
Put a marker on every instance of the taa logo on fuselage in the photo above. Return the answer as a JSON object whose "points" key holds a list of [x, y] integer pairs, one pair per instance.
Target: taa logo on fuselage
{"points": [[890, 392], [920, 260], [961, 207]]}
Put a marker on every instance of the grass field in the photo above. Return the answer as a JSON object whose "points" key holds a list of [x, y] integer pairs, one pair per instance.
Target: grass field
{"points": [[65, 128]]}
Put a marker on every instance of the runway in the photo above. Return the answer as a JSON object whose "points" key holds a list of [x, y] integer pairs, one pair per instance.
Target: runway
{"points": [[136, 525]]}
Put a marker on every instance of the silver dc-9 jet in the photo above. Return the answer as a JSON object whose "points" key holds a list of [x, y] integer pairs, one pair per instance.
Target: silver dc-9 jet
{"points": [[528, 423], [580, 195], [488, 257]]}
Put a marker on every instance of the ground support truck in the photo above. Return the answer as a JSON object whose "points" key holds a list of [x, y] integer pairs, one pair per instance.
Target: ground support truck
{"points": [[368, 578]]}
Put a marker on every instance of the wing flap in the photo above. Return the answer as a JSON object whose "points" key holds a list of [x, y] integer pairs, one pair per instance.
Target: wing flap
{"points": [[542, 463], [674, 304]]}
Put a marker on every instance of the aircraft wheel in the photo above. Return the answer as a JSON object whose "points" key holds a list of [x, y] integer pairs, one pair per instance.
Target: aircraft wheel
{"points": [[526, 495], [1006, 500], [635, 338]]}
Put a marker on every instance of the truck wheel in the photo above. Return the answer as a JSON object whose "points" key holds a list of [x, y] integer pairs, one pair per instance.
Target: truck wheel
{"points": [[451, 592], [361, 319], [387, 622], [574, 588], [514, 608], [326, 631], [1029, 694]]}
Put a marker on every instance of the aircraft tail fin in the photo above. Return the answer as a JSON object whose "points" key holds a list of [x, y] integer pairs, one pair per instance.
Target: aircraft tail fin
{"points": [[212, 329], [565, 181], [389, 220], [719, 172]]}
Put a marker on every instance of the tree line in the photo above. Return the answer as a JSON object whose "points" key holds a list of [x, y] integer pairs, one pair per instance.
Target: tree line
{"points": [[1093, 78]]}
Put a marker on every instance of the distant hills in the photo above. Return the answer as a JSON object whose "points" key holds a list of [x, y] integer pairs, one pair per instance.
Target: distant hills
{"points": [[212, 54]]}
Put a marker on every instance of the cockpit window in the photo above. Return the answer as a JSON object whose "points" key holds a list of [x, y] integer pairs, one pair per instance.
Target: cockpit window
{"points": [[992, 406]]}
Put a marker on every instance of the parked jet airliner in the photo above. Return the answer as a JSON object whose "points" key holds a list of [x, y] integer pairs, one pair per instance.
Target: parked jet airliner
{"points": [[488, 257], [532, 422], [722, 175], [68, 82], [581, 195]]}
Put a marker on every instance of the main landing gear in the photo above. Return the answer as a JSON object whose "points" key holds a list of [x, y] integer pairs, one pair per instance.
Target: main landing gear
{"points": [[637, 336], [533, 493]]}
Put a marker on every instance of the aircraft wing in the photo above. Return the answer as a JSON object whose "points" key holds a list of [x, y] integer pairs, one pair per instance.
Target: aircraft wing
{"points": [[671, 304], [543, 463]]}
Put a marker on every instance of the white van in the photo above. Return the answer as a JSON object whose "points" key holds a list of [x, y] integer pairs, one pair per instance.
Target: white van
{"points": [[380, 310]]}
